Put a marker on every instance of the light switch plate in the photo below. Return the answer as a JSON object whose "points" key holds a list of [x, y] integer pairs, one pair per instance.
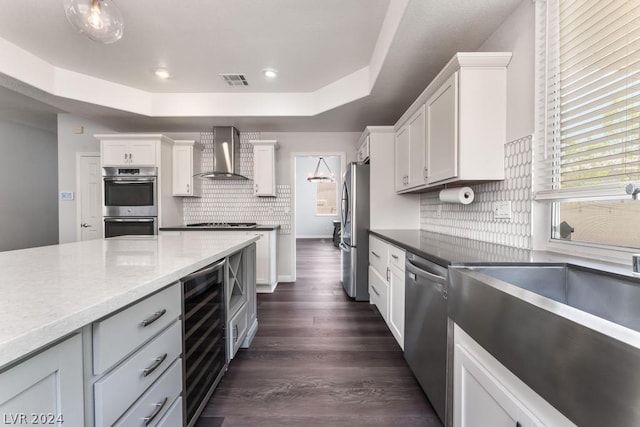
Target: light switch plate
{"points": [[66, 195], [501, 210]]}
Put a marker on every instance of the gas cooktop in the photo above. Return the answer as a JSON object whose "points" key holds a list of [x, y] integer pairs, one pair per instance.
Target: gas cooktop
{"points": [[224, 225]]}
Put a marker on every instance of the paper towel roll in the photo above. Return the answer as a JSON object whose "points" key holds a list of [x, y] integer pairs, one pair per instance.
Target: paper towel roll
{"points": [[462, 195]]}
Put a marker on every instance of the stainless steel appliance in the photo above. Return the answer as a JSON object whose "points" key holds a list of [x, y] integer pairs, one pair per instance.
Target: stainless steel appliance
{"points": [[425, 339], [354, 240], [204, 346], [122, 226], [130, 201], [226, 154], [130, 192]]}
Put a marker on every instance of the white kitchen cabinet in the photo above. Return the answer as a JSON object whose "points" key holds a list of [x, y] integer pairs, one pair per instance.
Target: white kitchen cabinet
{"points": [[363, 149], [187, 157], [396, 293], [266, 260], [46, 388], [129, 152], [410, 152], [264, 167], [386, 281], [486, 393], [464, 113]]}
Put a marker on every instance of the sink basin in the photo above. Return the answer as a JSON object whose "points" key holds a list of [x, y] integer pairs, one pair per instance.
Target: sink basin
{"points": [[611, 297], [572, 334]]}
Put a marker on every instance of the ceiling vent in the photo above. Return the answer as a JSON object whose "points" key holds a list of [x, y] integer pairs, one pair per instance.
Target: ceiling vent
{"points": [[235, 79]]}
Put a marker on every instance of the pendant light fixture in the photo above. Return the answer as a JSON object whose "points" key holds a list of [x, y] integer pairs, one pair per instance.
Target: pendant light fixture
{"points": [[100, 20], [318, 176]]}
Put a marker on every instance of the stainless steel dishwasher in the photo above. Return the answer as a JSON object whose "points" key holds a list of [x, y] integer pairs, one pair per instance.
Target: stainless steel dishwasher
{"points": [[425, 339]]}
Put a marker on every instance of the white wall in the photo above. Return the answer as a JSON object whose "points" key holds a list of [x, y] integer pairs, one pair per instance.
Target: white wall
{"points": [[28, 186], [69, 144], [308, 224], [517, 35]]}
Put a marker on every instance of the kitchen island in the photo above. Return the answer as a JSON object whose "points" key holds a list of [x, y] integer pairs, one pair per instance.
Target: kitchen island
{"points": [[56, 294]]}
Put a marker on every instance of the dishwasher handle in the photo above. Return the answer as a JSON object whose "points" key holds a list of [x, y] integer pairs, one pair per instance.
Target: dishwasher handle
{"points": [[413, 273]]}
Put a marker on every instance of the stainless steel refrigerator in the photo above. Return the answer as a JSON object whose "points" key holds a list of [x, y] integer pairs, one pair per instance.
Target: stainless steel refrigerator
{"points": [[354, 240]]}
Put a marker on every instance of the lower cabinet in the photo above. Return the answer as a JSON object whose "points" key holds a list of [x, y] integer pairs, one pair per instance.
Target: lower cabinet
{"points": [[242, 322], [266, 261], [486, 393], [386, 284], [46, 388]]}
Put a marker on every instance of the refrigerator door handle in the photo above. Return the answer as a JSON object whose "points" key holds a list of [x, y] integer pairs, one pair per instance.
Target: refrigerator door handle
{"points": [[344, 247]]}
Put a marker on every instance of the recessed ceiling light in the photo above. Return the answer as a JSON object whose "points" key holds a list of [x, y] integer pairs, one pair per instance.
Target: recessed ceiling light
{"points": [[270, 73], [162, 73]]}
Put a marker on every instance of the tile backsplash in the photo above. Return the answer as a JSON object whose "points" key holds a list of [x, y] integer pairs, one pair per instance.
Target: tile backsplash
{"points": [[476, 221], [233, 201]]}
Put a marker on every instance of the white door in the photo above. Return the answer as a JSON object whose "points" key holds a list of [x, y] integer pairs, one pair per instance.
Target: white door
{"points": [[90, 198]]}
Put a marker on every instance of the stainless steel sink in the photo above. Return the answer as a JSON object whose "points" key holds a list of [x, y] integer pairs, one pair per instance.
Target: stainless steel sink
{"points": [[571, 333], [612, 297]]}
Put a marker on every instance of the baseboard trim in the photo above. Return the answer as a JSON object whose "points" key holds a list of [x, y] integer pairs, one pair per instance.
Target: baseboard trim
{"points": [[266, 288], [288, 278]]}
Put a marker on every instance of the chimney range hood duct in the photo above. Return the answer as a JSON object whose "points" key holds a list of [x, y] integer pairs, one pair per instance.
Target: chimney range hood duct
{"points": [[226, 154]]}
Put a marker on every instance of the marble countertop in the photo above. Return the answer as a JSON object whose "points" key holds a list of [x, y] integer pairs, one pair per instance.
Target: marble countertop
{"points": [[52, 291], [208, 228]]}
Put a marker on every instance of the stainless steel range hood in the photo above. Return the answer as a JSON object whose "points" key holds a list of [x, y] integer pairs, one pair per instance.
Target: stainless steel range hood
{"points": [[226, 154]]}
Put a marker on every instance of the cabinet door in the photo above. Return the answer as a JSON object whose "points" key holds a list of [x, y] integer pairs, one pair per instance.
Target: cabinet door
{"points": [[182, 171], [402, 159], [47, 386], [143, 153], [396, 304], [417, 175], [480, 400], [442, 132], [115, 153], [264, 178], [263, 259], [379, 292]]}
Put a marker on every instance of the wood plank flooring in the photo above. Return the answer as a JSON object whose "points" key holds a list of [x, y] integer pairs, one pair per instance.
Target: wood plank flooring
{"points": [[319, 359]]}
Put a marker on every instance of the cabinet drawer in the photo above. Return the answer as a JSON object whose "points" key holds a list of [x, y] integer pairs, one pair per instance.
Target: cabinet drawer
{"points": [[118, 335], [378, 255], [396, 257], [152, 406], [379, 292], [237, 330], [174, 415], [119, 389]]}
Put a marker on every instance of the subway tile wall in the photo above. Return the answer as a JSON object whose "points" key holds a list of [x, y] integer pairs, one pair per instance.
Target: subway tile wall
{"points": [[233, 200], [475, 221]]}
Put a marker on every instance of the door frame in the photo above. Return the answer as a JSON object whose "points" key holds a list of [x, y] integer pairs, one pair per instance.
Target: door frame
{"points": [[78, 197], [294, 155]]}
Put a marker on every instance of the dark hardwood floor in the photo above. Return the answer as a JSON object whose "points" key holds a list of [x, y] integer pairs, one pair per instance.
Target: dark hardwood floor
{"points": [[319, 359]]}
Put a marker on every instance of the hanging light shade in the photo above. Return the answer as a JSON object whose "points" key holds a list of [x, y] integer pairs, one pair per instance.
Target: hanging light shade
{"points": [[319, 176], [100, 20]]}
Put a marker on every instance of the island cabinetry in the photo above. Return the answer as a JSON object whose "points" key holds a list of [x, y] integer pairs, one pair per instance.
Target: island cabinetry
{"points": [[264, 167], [242, 322], [134, 349], [46, 388], [386, 284], [187, 157]]}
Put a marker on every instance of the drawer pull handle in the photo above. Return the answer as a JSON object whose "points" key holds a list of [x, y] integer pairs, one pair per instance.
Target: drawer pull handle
{"points": [[155, 316], [394, 256], [154, 365], [375, 254], [375, 290], [159, 406]]}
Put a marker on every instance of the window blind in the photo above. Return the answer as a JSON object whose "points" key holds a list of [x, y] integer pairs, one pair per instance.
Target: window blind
{"points": [[591, 140]]}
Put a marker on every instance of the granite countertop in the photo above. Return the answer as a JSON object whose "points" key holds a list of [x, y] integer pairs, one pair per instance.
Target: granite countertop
{"points": [[52, 291], [211, 228], [450, 250]]}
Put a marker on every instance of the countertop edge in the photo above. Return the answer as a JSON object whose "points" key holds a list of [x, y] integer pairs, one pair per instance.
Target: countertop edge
{"points": [[26, 345]]}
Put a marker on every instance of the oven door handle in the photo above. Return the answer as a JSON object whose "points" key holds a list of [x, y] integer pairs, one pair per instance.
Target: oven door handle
{"points": [[129, 180], [129, 219]]}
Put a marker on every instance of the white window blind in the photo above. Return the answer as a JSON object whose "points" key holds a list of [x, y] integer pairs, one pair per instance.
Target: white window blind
{"points": [[590, 144]]}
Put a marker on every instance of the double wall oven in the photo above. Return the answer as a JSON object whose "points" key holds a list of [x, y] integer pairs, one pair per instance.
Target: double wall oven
{"points": [[130, 201]]}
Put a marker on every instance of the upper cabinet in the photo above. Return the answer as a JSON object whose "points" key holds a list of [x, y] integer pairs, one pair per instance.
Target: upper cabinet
{"points": [[186, 163], [129, 152], [363, 149], [264, 167], [456, 130]]}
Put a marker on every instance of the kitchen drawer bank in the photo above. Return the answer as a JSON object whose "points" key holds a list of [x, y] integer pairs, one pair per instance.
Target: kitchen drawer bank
{"points": [[79, 296]]}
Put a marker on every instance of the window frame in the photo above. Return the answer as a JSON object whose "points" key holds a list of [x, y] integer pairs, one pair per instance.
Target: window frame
{"points": [[544, 201], [336, 184]]}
